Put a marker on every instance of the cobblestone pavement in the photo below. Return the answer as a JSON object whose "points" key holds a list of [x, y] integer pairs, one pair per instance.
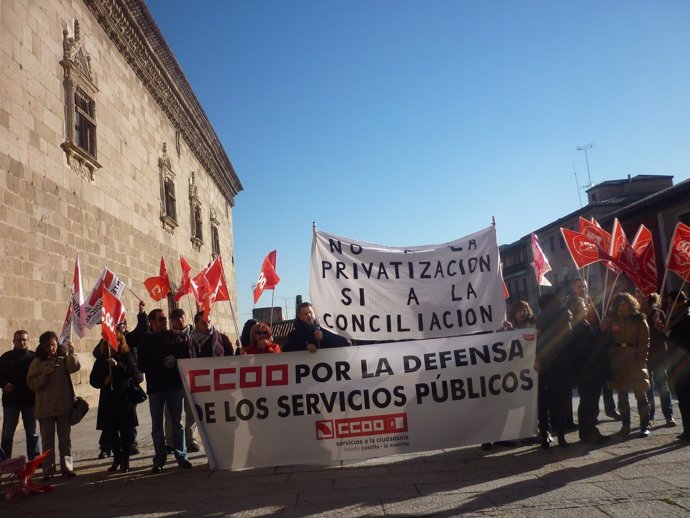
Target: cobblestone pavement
{"points": [[623, 478]]}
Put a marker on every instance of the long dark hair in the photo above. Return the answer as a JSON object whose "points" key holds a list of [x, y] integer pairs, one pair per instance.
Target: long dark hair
{"points": [[245, 339]]}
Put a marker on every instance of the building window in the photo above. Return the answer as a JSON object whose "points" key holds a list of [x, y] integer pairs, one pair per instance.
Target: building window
{"points": [[84, 122], [167, 192], [198, 225], [80, 106], [197, 238], [215, 234]]}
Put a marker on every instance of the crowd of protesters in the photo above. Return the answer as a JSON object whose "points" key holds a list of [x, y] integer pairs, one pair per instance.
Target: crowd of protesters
{"points": [[634, 347]]}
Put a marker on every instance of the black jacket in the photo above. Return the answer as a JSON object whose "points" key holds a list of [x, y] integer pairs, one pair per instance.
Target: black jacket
{"points": [[303, 334], [14, 365], [152, 351], [115, 410]]}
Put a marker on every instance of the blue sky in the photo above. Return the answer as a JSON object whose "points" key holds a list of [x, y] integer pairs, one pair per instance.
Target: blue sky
{"points": [[414, 122]]}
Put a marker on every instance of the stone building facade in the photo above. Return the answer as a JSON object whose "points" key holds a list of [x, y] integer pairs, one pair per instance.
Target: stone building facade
{"points": [[105, 152]]}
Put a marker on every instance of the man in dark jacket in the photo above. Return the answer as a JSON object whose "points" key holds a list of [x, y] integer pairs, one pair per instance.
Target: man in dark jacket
{"points": [[158, 354], [308, 335], [17, 398]]}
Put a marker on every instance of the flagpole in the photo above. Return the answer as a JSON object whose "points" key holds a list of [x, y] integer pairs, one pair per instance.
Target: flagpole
{"points": [[234, 320], [110, 366], [273, 294], [670, 311], [137, 296], [608, 302]]}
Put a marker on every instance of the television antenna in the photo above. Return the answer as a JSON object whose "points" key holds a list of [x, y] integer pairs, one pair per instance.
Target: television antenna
{"points": [[585, 148]]}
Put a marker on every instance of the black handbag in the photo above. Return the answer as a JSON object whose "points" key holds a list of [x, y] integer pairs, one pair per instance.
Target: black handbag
{"points": [[79, 409], [135, 393]]}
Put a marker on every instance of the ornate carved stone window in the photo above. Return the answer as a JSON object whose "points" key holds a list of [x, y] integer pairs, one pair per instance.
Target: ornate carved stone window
{"points": [[197, 238], [80, 106], [168, 200], [215, 234]]}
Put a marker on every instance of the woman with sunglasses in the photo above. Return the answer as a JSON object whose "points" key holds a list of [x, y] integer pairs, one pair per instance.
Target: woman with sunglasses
{"points": [[261, 340]]}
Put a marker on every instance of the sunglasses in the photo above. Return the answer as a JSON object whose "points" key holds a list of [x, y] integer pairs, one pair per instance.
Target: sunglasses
{"points": [[263, 333], [162, 319]]}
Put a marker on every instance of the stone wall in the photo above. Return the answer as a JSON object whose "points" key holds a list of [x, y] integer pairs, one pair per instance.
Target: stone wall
{"points": [[49, 212]]}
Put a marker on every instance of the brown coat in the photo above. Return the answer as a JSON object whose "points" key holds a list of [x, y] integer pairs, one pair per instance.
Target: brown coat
{"points": [[52, 385], [629, 363]]}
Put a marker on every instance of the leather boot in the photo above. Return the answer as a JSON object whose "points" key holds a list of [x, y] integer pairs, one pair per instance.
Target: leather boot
{"points": [[124, 465], [116, 463]]}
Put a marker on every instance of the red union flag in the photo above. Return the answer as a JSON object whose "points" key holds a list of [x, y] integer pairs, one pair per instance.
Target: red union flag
{"points": [[107, 281], [622, 254], [592, 230], [268, 278], [159, 286], [679, 252], [540, 264], [645, 261], [112, 313], [583, 250], [209, 285], [185, 283]]}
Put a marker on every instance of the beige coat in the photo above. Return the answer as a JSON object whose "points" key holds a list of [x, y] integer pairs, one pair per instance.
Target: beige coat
{"points": [[629, 364], [52, 385]]}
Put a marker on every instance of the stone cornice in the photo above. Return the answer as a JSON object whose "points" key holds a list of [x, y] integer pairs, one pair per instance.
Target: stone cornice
{"points": [[130, 26]]}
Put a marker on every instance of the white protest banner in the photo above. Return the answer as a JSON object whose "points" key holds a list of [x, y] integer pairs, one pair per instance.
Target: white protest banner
{"points": [[92, 306], [375, 292], [358, 402]]}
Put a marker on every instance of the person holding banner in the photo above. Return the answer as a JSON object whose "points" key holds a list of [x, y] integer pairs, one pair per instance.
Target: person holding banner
{"points": [[677, 329], [49, 377], [206, 341], [179, 326], [261, 340], [626, 332], [158, 354], [308, 335], [113, 372]]}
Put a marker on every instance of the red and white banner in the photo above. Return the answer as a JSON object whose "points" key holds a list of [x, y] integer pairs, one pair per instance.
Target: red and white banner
{"points": [[112, 313], [92, 306], [679, 252], [268, 278], [77, 302], [66, 333], [540, 263], [366, 291], [359, 402], [158, 286]]}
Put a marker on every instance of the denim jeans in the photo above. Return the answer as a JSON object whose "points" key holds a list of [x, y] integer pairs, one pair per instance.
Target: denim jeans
{"points": [[157, 402], [658, 383], [9, 426]]}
